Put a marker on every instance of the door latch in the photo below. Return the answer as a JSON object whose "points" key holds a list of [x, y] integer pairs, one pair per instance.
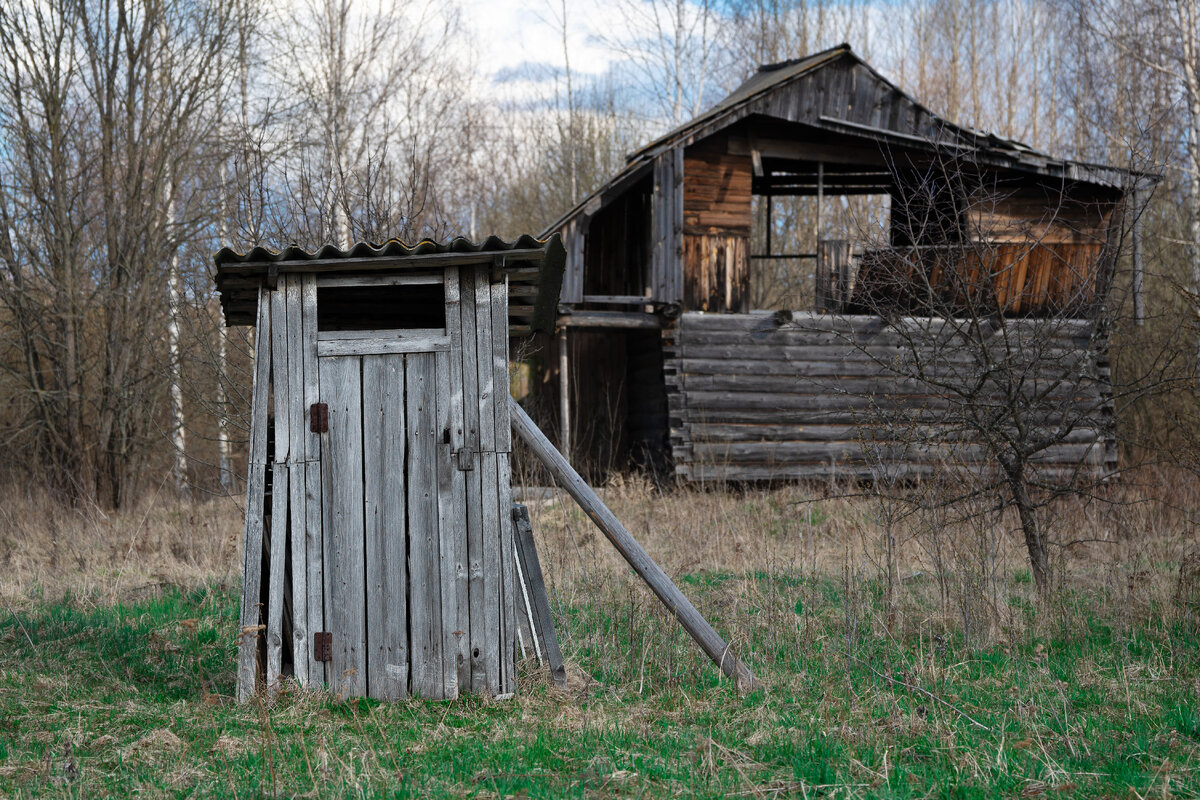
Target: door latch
{"points": [[318, 418], [323, 646]]}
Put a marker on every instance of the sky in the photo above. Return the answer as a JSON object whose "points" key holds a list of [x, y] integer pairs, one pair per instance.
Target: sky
{"points": [[519, 42]]}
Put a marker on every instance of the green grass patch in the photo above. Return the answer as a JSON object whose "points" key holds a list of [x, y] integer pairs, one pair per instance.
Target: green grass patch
{"points": [[137, 699]]}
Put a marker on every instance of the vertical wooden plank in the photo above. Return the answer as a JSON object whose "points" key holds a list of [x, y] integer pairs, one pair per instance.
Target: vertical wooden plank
{"points": [[507, 584], [483, 350], [490, 640], [484, 319], [477, 633], [298, 517], [312, 474], [341, 381], [657, 217], [456, 522], [423, 544], [675, 265], [279, 484], [384, 520], [252, 540], [450, 526], [499, 360], [279, 537]]}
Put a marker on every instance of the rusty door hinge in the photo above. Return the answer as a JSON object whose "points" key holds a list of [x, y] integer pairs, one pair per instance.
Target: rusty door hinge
{"points": [[318, 418], [465, 459], [323, 646]]}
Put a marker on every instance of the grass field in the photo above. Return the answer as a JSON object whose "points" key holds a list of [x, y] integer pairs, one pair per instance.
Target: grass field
{"points": [[116, 673]]}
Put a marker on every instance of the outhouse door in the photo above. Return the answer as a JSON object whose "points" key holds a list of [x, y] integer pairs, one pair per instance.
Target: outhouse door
{"points": [[406, 368]]}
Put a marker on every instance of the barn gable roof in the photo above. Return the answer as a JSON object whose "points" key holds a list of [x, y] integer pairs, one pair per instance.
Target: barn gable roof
{"points": [[838, 92]]}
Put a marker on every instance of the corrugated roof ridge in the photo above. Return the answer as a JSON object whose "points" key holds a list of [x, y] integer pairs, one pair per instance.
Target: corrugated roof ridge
{"points": [[394, 247]]}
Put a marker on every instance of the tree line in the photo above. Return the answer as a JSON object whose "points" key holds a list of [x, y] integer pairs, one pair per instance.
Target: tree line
{"points": [[137, 136]]}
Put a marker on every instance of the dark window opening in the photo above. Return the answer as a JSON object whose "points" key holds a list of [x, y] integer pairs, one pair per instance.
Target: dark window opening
{"points": [[381, 308]]}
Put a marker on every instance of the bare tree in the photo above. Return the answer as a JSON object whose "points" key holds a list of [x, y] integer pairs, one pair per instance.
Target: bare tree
{"points": [[104, 122], [1006, 331]]}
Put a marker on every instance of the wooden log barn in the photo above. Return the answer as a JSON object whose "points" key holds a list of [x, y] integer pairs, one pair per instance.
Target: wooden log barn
{"points": [[661, 356], [379, 543]]}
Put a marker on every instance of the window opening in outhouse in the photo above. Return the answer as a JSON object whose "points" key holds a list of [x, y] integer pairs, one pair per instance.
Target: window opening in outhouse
{"points": [[381, 308]]}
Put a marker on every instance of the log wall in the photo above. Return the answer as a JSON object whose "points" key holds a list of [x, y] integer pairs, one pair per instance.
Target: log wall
{"points": [[790, 395]]}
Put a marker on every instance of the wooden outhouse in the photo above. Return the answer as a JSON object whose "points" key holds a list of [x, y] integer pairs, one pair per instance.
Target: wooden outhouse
{"points": [[378, 538]]}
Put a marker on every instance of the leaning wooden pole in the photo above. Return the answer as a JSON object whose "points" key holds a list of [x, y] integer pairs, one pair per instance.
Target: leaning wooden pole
{"points": [[691, 620]]}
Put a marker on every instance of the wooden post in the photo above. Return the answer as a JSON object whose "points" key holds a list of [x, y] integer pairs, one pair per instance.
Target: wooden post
{"points": [[1139, 306], [691, 620], [564, 399]]}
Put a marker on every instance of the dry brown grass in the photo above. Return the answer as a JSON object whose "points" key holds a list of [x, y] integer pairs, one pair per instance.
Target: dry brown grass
{"points": [[1133, 545], [1130, 542], [50, 550]]}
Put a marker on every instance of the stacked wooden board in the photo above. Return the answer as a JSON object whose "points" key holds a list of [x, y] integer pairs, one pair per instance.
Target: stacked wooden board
{"points": [[787, 395]]}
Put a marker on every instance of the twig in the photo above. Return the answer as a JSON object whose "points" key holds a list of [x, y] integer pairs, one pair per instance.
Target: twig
{"points": [[925, 692]]}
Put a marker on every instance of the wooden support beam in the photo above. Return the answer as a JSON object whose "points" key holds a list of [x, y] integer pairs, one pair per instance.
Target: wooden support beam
{"points": [[675, 601]]}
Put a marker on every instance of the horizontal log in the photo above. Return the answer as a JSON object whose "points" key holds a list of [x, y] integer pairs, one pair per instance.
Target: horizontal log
{"points": [[692, 416], [903, 341], [767, 453], [881, 355], [1046, 389], [699, 473], [766, 432], [1081, 329], [688, 367]]}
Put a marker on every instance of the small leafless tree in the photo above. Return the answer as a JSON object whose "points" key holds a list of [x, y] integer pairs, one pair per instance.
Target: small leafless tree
{"points": [[1002, 323]]}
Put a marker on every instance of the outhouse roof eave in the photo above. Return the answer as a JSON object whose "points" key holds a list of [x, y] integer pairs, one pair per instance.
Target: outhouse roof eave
{"points": [[533, 263]]}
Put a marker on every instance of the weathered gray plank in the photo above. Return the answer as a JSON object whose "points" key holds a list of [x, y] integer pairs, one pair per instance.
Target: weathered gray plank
{"points": [[449, 525], [403, 279], [383, 335], [456, 522], [423, 540], [314, 546], [499, 360], [539, 599], [341, 382], [473, 481], [292, 289], [372, 347], [278, 538], [507, 584], [488, 390], [281, 393], [384, 516], [252, 540], [491, 572]]}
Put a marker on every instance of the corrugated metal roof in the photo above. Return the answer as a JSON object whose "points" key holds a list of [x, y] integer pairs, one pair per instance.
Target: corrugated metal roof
{"points": [[393, 248], [537, 264]]}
